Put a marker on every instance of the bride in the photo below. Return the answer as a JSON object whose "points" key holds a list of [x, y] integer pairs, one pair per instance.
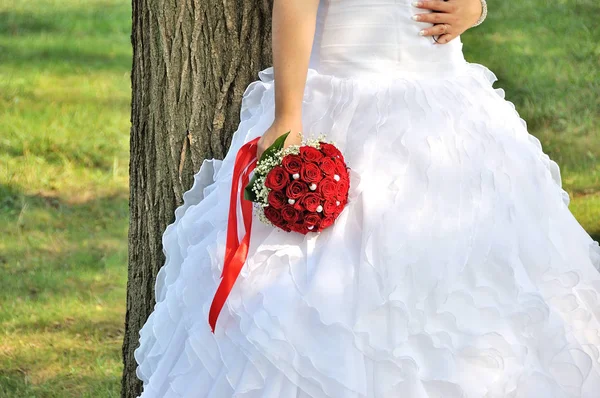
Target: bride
{"points": [[456, 269]]}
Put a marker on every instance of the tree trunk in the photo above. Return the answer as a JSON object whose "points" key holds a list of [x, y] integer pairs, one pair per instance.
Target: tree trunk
{"points": [[192, 61]]}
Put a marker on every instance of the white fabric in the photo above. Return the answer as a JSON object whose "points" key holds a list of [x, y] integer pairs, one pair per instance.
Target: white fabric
{"points": [[379, 40], [456, 270]]}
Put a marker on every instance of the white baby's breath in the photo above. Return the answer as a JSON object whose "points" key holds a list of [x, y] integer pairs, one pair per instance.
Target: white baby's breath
{"points": [[261, 213]]}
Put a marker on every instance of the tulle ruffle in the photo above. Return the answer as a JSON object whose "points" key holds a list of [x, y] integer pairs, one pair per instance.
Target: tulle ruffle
{"points": [[456, 270]]}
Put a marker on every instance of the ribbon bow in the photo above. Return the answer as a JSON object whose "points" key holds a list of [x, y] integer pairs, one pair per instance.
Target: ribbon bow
{"points": [[236, 252]]}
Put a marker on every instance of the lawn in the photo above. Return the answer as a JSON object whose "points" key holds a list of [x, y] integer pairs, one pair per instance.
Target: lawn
{"points": [[64, 124], [64, 112]]}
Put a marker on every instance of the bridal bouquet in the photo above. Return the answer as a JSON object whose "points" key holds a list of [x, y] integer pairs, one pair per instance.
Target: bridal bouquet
{"points": [[302, 188]]}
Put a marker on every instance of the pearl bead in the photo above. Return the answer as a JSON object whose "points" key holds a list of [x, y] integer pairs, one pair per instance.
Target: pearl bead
{"points": [[295, 176], [313, 187], [336, 177], [319, 209], [291, 201], [311, 227], [337, 202]]}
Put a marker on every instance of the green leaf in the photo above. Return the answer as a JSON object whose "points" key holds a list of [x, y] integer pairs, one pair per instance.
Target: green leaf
{"points": [[275, 146], [249, 194]]}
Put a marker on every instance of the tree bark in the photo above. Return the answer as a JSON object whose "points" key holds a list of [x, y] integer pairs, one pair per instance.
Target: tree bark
{"points": [[192, 61]]}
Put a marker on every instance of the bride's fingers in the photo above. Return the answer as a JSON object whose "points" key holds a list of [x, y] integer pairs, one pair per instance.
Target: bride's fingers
{"points": [[443, 39], [435, 17], [436, 5], [437, 30]]}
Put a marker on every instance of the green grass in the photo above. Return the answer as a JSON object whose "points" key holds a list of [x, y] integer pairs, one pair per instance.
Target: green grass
{"points": [[64, 123], [64, 111]]}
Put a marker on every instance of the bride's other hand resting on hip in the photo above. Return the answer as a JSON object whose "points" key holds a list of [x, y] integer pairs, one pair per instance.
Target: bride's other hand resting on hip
{"points": [[294, 24], [451, 19]]}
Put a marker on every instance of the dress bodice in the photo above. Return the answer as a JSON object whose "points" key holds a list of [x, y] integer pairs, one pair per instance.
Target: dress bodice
{"points": [[373, 38]]}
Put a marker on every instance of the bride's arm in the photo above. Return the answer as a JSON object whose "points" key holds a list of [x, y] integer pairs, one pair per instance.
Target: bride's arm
{"points": [[293, 32], [294, 23]]}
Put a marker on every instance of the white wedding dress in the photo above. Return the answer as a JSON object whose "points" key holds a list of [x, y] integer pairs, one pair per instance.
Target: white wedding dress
{"points": [[456, 270]]}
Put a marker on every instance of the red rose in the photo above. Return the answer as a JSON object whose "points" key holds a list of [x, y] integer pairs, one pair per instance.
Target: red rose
{"points": [[273, 215], [292, 163], [310, 154], [311, 201], [330, 150], [330, 208], [284, 226], [327, 221], [296, 189], [312, 219], [340, 167], [277, 178], [342, 189], [328, 188], [276, 199], [345, 177], [300, 228], [298, 205], [289, 214], [311, 173], [328, 166]]}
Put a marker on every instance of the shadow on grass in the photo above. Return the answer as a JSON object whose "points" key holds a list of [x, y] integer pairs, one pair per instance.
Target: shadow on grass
{"points": [[587, 11], [67, 39], [98, 329], [54, 247], [100, 157], [96, 19], [17, 384], [68, 59]]}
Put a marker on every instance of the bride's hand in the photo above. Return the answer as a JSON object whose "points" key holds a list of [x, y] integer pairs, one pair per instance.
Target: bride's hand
{"points": [[277, 129], [452, 18]]}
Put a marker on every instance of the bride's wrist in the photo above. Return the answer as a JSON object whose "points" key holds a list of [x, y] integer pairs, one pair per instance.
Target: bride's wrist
{"points": [[293, 116], [288, 122]]}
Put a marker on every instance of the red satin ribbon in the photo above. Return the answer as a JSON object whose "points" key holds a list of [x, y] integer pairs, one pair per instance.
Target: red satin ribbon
{"points": [[236, 252]]}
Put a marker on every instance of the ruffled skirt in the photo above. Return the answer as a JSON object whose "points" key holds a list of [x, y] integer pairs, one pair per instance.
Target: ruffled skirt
{"points": [[456, 270]]}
